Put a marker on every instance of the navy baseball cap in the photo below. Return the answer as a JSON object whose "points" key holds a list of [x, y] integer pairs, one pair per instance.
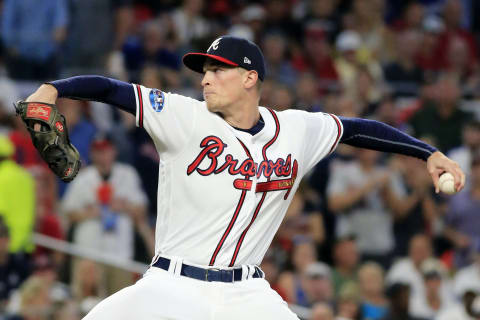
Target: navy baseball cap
{"points": [[233, 51]]}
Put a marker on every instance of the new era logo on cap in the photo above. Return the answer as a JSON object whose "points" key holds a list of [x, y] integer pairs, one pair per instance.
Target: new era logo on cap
{"points": [[230, 50]]}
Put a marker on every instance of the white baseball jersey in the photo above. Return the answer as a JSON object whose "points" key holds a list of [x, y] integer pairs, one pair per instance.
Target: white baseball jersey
{"points": [[222, 192]]}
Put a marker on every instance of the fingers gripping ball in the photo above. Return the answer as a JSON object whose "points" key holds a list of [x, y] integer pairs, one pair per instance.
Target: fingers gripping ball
{"points": [[49, 134], [446, 183]]}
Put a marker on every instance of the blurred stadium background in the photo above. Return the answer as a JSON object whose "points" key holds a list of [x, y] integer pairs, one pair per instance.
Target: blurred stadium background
{"points": [[366, 237]]}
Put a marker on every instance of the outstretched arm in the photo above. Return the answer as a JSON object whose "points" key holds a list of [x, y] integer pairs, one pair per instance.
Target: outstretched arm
{"points": [[371, 134], [94, 88]]}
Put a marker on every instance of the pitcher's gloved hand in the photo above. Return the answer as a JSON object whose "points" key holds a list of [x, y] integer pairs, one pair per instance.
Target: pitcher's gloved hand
{"points": [[49, 133]]}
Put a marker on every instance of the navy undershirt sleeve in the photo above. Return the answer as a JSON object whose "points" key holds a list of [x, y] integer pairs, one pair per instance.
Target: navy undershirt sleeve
{"points": [[98, 88], [375, 135]]}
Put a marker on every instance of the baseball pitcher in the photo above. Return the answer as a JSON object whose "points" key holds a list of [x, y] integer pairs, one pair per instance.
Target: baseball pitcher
{"points": [[228, 171]]}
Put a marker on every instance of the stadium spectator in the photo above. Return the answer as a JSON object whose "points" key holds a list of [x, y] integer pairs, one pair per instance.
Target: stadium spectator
{"points": [[47, 220], [25, 153], [418, 210], [452, 15], [459, 66], [188, 22], [404, 75], [279, 18], [68, 310], [468, 277], [466, 310], [368, 92], [356, 193], [411, 19], [385, 111], [274, 46], [462, 223], [317, 285], [367, 20], [43, 269], [17, 203], [88, 47], [428, 57], [301, 220], [106, 204], [372, 290], [433, 302], [251, 25], [88, 285], [81, 130], [33, 45], [348, 303], [470, 145], [322, 311], [270, 267], [408, 270], [282, 95], [316, 57], [346, 64], [350, 65], [8, 95], [345, 263], [307, 93], [152, 47], [303, 254], [323, 13], [441, 118], [34, 300], [399, 297], [14, 268]]}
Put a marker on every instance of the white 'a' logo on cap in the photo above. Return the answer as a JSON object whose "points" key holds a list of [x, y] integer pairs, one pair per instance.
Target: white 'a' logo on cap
{"points": [[214, 44]]}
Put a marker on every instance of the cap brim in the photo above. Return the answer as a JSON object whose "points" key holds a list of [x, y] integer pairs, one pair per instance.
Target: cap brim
{"points": [[195, 61]]}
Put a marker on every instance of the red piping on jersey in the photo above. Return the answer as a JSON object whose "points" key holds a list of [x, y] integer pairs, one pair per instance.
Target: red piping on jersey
{"points": [[339, 130], [239, 182], [240, 241], [244, 183], [257, 210], [229, 228], [140, 106], [277, 131], [245, 148]]}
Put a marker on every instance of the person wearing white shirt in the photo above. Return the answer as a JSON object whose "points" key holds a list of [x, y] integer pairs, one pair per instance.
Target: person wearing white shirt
{"points": [[408, 270], [471, 142], [105, 204], [432, 302], [468, 277], [468, 309]]}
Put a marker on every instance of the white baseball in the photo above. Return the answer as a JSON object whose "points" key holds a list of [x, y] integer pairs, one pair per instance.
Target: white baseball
{"points": [[446, 183]]}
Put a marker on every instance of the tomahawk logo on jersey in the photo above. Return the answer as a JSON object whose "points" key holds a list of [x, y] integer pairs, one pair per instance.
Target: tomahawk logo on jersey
{"points": [[230, 188]]}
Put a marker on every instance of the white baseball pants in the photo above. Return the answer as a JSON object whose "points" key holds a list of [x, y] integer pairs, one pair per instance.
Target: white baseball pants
{"points": [[161, 295]]}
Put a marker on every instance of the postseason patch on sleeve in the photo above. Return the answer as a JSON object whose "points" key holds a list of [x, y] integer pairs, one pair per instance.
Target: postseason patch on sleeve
{"points": [[157, 99]]}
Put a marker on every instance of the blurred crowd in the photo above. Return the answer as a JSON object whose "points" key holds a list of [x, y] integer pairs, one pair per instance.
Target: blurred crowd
{"points": [[365, 238]]}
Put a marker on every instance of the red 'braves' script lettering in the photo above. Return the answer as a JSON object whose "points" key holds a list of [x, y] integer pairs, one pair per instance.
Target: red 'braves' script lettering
{"points": [[212, 149]]}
